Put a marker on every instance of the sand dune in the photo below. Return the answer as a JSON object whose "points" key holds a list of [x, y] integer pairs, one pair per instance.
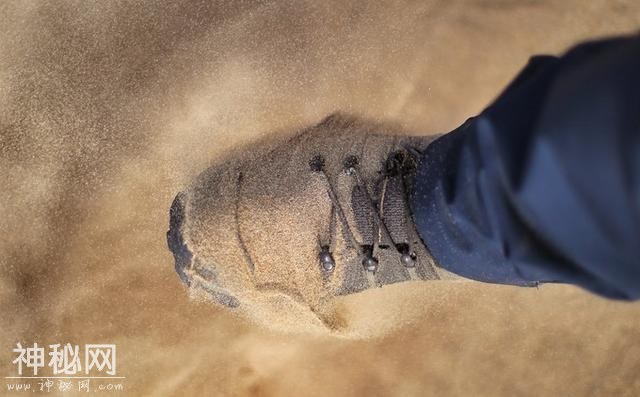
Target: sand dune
{"points": [[107, 109]]}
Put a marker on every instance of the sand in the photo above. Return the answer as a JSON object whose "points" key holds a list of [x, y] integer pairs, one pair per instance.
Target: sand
{"points": [[107, 109]]}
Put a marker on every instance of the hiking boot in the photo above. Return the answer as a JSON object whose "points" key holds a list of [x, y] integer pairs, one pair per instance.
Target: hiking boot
{"points": [[322, 214]]}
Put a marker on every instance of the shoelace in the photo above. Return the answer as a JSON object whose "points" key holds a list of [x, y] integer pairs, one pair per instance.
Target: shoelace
{"points": [[382, 223]]}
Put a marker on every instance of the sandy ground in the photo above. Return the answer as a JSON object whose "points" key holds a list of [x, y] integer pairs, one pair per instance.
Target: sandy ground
{"points": [[108, 108]]}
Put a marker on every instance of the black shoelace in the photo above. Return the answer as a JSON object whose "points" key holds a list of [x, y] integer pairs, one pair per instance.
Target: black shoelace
{"points": [[383, 222]]}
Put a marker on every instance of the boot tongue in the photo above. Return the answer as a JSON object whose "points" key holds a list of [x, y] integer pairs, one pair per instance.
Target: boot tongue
{"points": [[363, 215], [395, 213], [391, 199], [391, 207]]}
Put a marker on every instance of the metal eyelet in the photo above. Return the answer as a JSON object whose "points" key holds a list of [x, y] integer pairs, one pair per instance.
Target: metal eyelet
{"points": [[350, 164], [326, 259]]}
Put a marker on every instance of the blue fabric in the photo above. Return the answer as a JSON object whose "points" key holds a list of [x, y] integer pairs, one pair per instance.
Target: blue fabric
{"points": [[544, 185]]}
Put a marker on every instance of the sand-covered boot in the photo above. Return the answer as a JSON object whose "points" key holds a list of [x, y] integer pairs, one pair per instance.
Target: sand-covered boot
{"points": [[322, 214]]}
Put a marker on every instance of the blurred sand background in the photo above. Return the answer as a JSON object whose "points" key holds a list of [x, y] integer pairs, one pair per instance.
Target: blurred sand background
{"points": [[108, 108]]}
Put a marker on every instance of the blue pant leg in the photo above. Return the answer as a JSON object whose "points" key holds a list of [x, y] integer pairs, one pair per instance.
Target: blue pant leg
{"points": [[544, 185]]}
